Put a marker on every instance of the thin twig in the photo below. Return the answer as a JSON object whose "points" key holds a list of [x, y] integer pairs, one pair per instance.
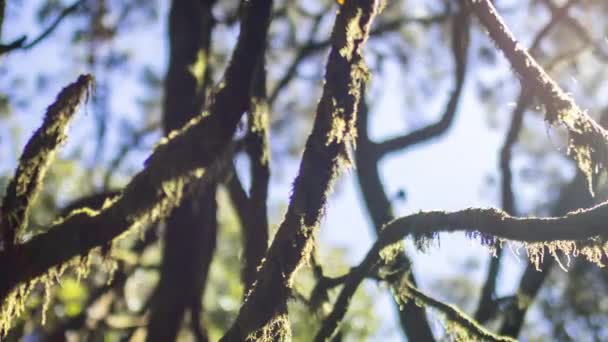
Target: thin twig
{"points": [[20, 43]]}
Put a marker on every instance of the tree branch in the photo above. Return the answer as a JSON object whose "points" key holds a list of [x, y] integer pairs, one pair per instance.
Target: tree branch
{"points": [[411, 317], [460, 43], [562, 231], [325, 154], [20, 43], [488, 306], [191, 228], [587, 143], [36, 158], [312, 47], [256, 227], [472, 329], [155, 190]]}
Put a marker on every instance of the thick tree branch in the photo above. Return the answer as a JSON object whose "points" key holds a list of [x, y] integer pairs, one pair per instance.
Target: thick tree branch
{"points": [[488, 306], [256, 227], [577, 225], [191, 228], [154, 191], [325, 154], [587, 141], [36, 158]]}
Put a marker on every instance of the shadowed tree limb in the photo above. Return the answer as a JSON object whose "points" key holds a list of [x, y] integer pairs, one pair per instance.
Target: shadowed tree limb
{"points": [[155, 190], [257, 147], [411, 317], [36, 157], [575, 226], [20, 43], [238, 195], [263, 311], [453, 315], [572, 196], [191, 228], [368, 155], [587, 139], [488, 306], [460, 43], [312, 47]]}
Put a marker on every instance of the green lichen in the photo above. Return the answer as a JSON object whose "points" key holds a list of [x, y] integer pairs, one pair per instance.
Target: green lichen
{"points": [[198, 69], [587, 142], [338, 132], [37, 155], [260, 124], [278, 329], [354, 33]]}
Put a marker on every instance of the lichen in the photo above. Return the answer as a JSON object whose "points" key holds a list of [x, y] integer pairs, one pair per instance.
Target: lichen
{"points": [[199, 67], [278, 329], [337, 132], [354, 33]]}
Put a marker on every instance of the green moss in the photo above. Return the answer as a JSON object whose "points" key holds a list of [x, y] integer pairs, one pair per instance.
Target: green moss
{"points": [[354, 33], [199, 67], [278, 329]]}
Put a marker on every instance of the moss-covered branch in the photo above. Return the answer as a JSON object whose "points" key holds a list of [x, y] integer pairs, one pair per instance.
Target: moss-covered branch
{"points": [[463, 327], [325, 155], [587, 141], [155, 190], [256, 229], [37, 156], [555, 233]]}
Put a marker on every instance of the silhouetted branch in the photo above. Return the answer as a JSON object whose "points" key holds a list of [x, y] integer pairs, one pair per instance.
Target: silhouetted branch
{"points": [[325, 154], [453, 315], [460, 43], [311, 47], [575, 226], [191, 228], [36, 158], [411, 317], [158, 188], [488, 306], [571, 197], [20, 43], [238, 195], [581, 31], [587, 141], [256, 228], [93, 201]]}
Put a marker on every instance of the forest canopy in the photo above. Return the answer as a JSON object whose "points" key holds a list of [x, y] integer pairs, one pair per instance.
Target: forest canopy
{"points": [[288, 170]]}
